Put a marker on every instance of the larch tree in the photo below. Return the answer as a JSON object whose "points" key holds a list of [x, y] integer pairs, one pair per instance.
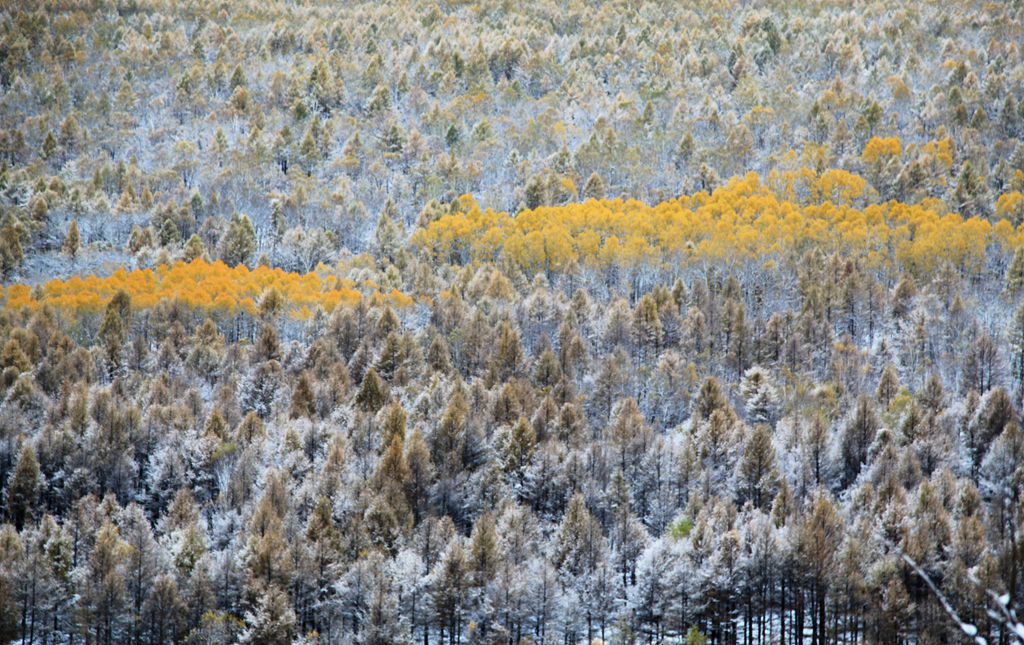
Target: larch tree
{"points": [[72, 241]]}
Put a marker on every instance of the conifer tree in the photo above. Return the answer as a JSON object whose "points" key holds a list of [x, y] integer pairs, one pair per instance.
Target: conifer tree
{"points": [[114, 335], [856, 439], [303, 402], [888, 386], [1015, 274], [595, 187], [239, 242], [23, 488], [372, 393], [757, 468], [72, 241]]}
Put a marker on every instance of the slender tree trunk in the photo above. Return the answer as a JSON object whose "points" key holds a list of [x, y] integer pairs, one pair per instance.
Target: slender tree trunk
{"points": [[814, 615], [823, 635], [782, 613], [835, 620], [798, 619], [32, 616]]}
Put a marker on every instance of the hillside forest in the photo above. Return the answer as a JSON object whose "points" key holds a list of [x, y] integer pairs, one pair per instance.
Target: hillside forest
{"points": [[549, 323]]}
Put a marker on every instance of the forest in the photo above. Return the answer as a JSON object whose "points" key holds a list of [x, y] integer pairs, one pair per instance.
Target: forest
{"points": [[441, 322]]}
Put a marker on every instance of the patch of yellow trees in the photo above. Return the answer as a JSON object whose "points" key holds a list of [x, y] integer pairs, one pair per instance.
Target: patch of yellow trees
{"points": [[211, 287], [747, 220]]}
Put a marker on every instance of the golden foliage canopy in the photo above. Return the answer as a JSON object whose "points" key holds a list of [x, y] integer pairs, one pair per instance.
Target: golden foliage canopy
{"points": [[211, 287], [746, 220]]}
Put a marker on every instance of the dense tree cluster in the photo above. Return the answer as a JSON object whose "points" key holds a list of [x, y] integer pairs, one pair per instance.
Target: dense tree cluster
{"points": [[418, 322], [733, 455], [745, 223], [282, 131], [232, 294]]}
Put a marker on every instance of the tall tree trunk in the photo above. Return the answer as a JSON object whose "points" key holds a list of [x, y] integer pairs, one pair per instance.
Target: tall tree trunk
{"points": [[798, 619], [782, 612], [823, 632]]}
